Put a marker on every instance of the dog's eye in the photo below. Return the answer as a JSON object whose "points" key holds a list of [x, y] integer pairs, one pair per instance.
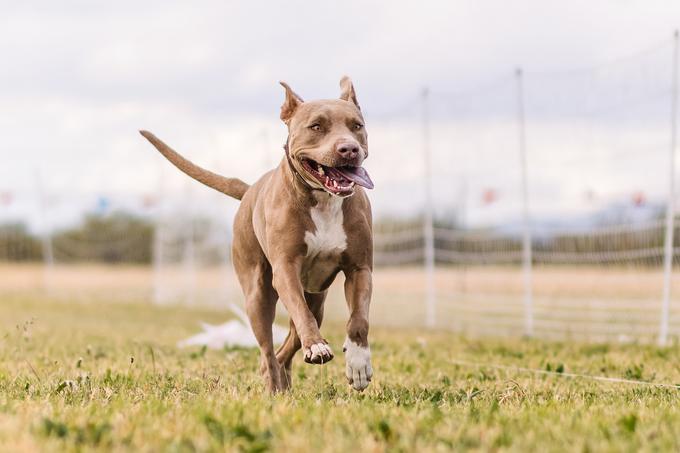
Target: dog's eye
{"points": [[315, 127], [358, 126]]}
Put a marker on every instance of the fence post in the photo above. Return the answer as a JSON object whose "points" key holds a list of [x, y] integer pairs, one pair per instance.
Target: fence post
{"points": [[670, 206], [190, 251], [428, 221], [47, 245], [158, 257], [526, 227]]}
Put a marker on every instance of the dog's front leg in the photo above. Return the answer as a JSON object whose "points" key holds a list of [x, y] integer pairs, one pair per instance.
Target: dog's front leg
{"points": [[358, 286], [286, 279]]}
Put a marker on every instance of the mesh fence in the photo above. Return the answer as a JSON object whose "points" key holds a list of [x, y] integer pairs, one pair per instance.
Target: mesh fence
{"points": [[597, 143]]}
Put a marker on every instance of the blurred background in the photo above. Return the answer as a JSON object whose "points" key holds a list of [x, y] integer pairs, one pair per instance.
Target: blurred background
{"points": [[522, 153]]}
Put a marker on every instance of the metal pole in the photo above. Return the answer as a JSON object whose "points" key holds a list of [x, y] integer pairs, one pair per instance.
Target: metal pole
{"points": [[220, 228], [526, 234], [159, 241], [463, 227], [670, 207], [428, 221], [190, 252], [47, 246]]}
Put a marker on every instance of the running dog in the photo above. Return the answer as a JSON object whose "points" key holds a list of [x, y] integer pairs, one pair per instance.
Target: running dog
{"points": [[300, 225]]}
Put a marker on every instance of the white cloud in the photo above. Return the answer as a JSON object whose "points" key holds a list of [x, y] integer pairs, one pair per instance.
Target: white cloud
{"points": [[78, 80]]}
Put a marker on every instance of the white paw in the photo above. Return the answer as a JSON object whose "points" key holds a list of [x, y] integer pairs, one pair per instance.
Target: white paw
{"points": [[358, 370], [318, 353]]}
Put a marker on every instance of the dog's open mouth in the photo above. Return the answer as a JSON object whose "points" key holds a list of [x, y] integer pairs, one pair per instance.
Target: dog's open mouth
{"points": [[338, 180]]}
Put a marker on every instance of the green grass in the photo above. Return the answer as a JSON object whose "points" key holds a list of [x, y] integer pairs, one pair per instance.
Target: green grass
{"points": [[88, 376]]}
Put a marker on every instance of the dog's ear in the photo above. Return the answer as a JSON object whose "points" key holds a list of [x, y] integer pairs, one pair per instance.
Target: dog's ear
{"points": [[347, 92], [291, 103]]}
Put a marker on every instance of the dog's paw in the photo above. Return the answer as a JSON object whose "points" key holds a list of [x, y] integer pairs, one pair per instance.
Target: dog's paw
{"points": [[318, 353], [358, 364]]}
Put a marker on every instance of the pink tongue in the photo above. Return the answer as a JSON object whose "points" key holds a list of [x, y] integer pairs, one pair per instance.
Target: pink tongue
{"points": [[356, 174]]}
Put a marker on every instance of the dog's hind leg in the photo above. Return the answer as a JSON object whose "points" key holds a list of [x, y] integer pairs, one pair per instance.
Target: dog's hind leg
{"points": [[292, 344], [261, 309], [285, 354]]}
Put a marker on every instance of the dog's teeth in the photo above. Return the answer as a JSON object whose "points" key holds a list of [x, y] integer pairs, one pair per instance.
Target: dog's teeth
{"points": [[335, 184], [351, 184], [327, 180], [320, 170]]}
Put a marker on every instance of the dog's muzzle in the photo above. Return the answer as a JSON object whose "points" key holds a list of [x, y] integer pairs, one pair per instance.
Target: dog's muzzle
{"points": [[338, 180]]}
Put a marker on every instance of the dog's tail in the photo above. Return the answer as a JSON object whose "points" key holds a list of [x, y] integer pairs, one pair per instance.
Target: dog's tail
{"points": [[233, 187]]}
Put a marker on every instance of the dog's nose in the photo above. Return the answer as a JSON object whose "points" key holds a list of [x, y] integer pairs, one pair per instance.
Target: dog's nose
{"points": [[348, 150]]}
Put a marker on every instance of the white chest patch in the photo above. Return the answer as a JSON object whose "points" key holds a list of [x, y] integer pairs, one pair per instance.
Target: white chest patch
{"points": [[329, 236]]}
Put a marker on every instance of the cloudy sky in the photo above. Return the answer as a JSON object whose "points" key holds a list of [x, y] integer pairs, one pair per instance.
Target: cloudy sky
{"points": [[79, 79]]}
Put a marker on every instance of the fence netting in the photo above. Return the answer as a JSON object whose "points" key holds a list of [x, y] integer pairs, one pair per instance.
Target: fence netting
{"points": [[597, 145]]}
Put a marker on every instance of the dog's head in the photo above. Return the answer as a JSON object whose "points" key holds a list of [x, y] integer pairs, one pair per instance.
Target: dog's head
{"points": [[327, 140]]}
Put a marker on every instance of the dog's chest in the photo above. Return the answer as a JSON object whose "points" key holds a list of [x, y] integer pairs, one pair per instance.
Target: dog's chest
{"points": [[325, 244]]}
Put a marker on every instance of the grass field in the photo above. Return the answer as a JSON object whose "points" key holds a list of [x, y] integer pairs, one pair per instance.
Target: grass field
{"points": [[84, 375]]}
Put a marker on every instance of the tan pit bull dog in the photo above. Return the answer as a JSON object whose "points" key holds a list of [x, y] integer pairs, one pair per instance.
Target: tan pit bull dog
{"points": [[300, 225]]}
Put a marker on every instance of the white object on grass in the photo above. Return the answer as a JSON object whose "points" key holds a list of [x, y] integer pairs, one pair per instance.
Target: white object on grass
{"points": [[236, 332]]}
